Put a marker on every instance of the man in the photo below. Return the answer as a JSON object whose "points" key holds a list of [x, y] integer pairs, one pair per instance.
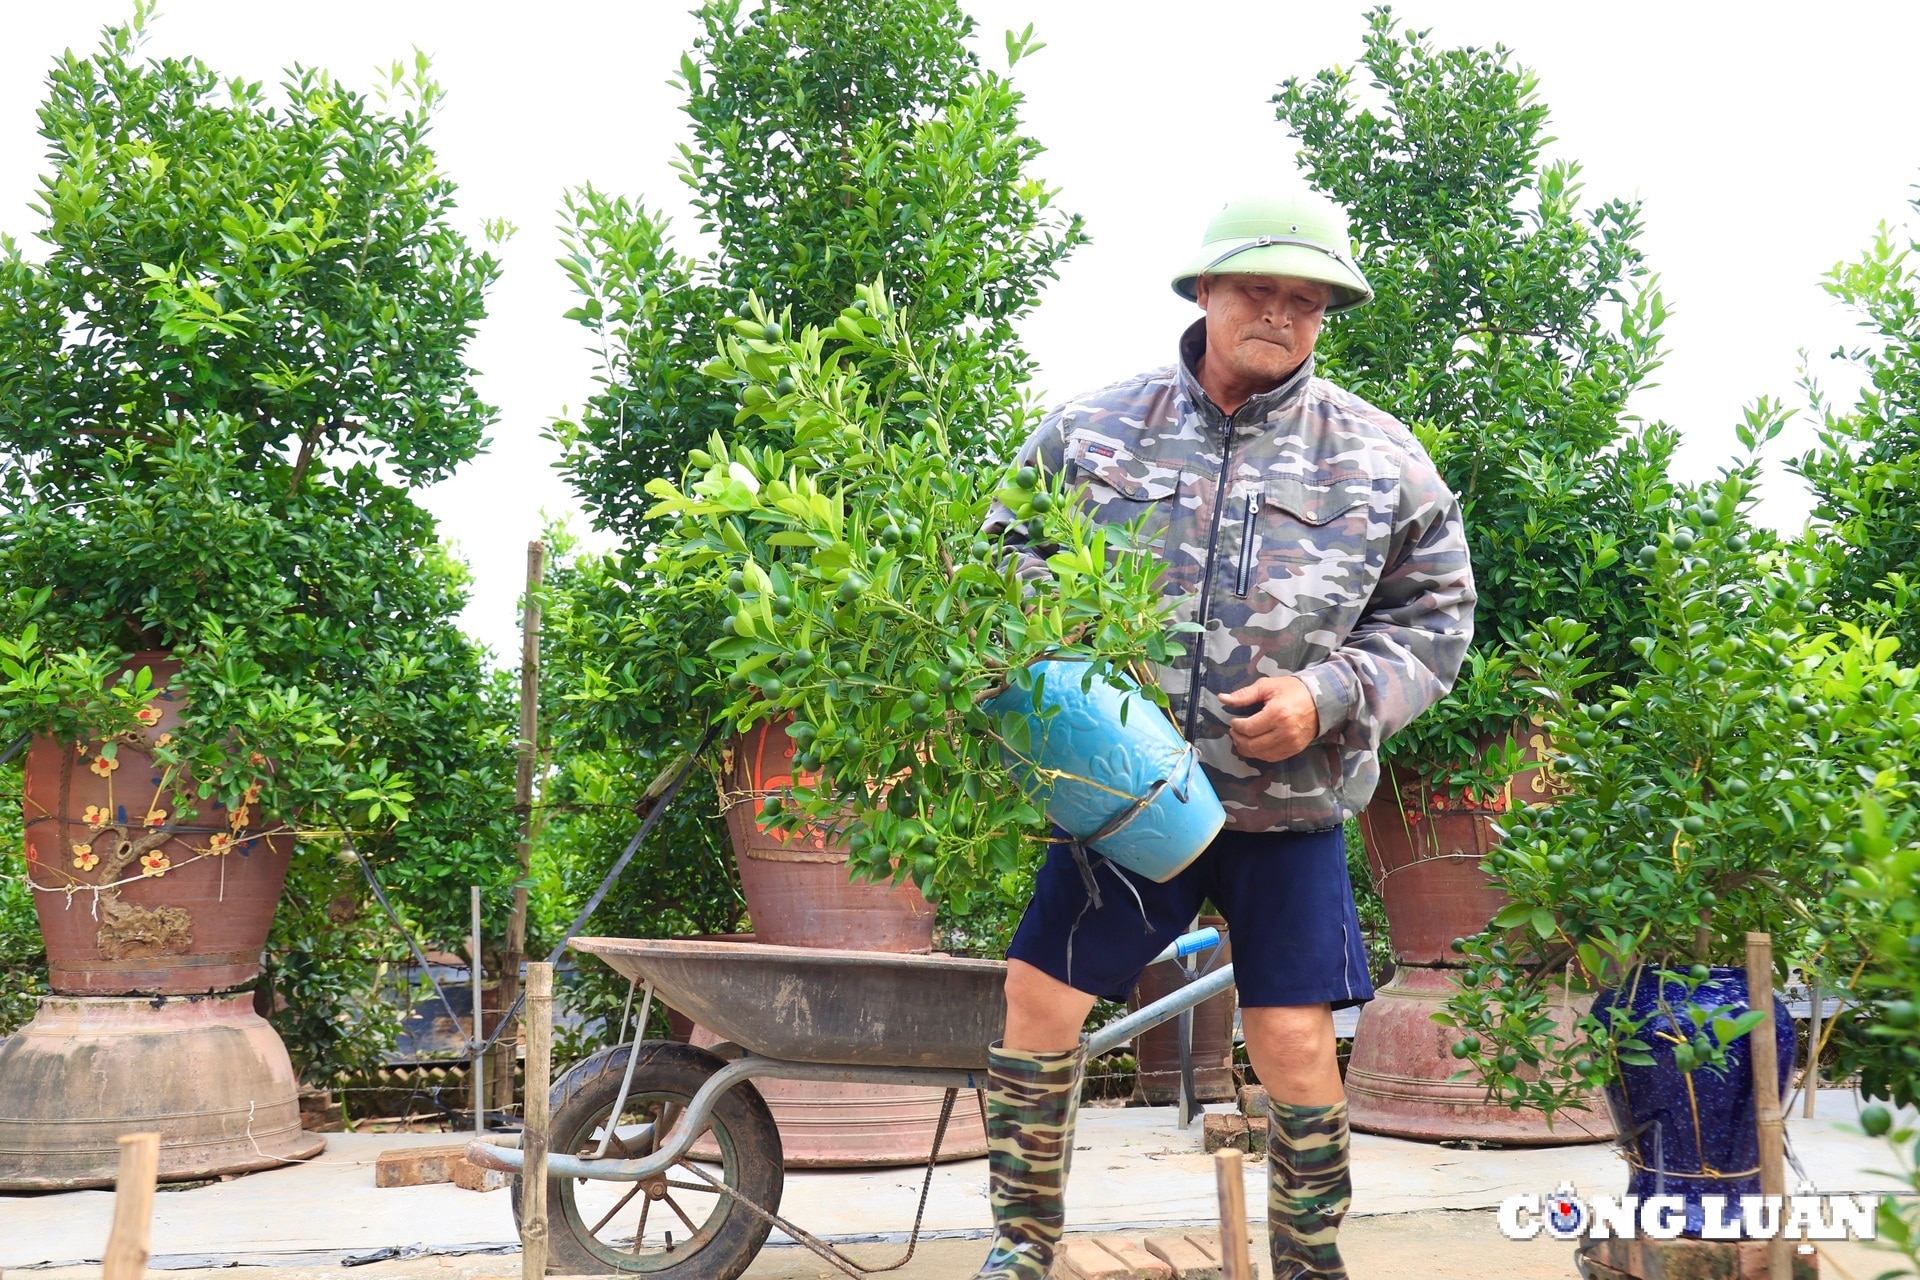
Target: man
{"points": [[1312, 540]]}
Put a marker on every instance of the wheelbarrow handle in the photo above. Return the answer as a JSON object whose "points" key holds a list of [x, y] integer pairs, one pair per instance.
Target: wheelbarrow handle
{"points": [[1188, 943], [1165, 1009]]}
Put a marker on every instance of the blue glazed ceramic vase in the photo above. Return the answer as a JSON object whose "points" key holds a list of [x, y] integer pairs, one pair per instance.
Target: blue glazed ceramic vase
{"points": [[1689, 1133]]}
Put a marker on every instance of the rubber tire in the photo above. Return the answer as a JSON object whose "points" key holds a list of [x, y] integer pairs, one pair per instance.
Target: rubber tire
{"points": [[588, 1091]]}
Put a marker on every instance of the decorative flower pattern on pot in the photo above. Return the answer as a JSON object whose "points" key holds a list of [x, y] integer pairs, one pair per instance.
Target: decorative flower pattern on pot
{"points": [[157, 818], [164, 740], [155, 863], [220, 843], [96, 815], [104, 766], [84, 858], [148, 716]]}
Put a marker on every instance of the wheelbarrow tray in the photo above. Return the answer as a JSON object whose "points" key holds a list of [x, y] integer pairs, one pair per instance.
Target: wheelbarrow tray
{"points": [[864, 1008]]}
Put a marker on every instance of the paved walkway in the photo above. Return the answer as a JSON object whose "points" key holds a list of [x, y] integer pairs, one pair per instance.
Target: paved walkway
{"points": [[1134, 1170]]}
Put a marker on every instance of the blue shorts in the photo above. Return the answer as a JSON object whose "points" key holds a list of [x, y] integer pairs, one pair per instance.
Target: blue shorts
{"points": [[1285, 894]]}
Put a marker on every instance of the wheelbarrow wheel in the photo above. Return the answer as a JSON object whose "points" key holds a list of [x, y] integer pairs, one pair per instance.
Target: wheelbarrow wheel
{"points": [[677, 1223]]}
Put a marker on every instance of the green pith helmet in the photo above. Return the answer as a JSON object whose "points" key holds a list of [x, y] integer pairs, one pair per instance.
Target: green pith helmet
{"points": [[1301, 234]]}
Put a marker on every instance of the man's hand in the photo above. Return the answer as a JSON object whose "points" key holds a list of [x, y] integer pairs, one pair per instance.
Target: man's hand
{"points": [[1279, 730]]}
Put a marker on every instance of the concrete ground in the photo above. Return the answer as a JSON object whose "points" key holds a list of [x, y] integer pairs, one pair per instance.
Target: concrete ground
{"points": [[1419, 1209]]}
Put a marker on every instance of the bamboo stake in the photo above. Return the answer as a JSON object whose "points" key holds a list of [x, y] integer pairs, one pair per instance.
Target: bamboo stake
{"points": [[1765, 1056], [533, 1140], [131, 1240], [1235, 1261], [479, 1023], [1810, 1079], [528, 753]]}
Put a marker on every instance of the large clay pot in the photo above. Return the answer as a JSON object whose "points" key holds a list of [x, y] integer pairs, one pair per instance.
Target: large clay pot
{"points": [[796, 885], [799, 895], [130, 901], [1398, 1079], [1696, 1133], [1424, 847], [1157, 1080], [207, 1073]]}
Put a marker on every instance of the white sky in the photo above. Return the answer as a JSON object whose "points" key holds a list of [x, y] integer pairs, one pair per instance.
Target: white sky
{"points": [[1767, 143]]}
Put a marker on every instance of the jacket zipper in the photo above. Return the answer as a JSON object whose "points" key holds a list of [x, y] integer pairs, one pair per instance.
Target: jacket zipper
{"points": [[1246, 548], [1206, 580]]}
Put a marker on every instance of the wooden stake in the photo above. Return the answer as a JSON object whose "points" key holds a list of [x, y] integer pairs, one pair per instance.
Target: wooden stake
{"points": [[528, 753], [1235, 1261], [1810, 1078], [1765, 1056], [131, 1240], [533, 1140], [479, 1023]]}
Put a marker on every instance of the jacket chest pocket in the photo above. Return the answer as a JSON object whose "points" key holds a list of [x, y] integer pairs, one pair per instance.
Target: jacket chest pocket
{"points": [[1118, 488], [1315, 550]]}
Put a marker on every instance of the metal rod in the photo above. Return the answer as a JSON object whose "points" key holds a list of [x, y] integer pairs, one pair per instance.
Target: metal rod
{"points": [[1764, 1055], [1121, 1030], [533, 1192], [1190, 1096], [699, 1115], [479, 1037], [419, 956], [626, 1081]]}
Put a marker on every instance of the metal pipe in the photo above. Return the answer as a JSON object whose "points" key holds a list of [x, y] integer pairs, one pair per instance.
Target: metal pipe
{"points": [[699, 1115], [626, 1081], [1167, 1007]]}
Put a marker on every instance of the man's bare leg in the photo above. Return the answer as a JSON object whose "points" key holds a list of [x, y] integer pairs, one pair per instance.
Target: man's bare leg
{"points": [[1044, 1014], [1293, 1052]]}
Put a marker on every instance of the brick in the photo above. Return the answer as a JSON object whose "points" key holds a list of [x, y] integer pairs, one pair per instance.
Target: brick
{"points": [[416, 1166], [469, 1176], [1084, 1259], [1220, 1130], [1253, 1100], [1188, 1260], [1207, 1243], [1257, 1135], [1141, 1264]]}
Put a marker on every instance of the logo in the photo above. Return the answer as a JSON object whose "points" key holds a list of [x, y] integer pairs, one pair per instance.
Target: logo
{"points": [[1566, 1215]]}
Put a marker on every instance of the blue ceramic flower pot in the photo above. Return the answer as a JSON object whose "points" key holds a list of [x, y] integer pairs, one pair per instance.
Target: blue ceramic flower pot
{"points": [[1690, 1133]]}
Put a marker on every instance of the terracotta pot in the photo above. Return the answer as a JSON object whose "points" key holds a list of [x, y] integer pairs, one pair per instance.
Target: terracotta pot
{"points": [[796, 885], [206, 1073], [130, 902], [1398, 1077], [1157, 1080], [1424, 849]]}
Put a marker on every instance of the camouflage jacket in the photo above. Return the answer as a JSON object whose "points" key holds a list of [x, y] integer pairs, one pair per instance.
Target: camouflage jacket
{"points": [[1317, 540]]}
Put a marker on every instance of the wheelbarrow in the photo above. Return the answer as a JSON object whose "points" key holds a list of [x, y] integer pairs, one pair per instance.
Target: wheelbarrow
{"points": [[683, 1131]]}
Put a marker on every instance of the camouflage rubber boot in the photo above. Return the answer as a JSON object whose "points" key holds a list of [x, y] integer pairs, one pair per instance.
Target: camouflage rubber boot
{"points": [[1308, 1189], [1032, 1099]]}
